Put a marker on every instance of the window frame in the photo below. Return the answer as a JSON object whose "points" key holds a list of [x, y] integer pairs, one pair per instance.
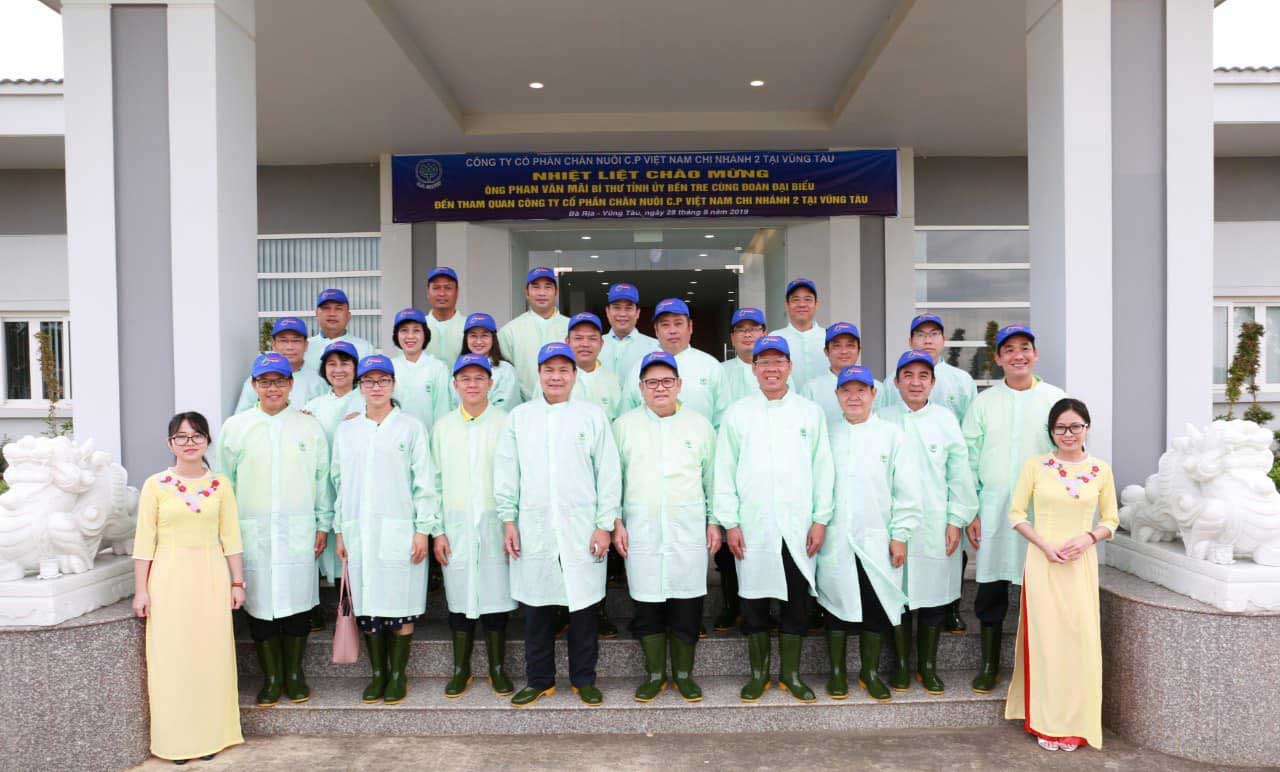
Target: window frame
{"points": [[1259, 304], [308, 315], [33, 320]]}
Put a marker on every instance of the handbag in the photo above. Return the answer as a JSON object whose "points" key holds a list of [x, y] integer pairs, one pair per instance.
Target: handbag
{"points": [[346, 634]]}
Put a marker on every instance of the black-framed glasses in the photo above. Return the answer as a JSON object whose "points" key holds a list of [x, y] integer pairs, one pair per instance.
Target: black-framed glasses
{"points": [[188, 439], [380, 383], [653, 384], [1061, 429]]}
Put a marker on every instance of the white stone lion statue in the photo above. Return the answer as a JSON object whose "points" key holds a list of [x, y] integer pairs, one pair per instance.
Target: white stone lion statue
{"points": [[1212, 490], [65, 501]]}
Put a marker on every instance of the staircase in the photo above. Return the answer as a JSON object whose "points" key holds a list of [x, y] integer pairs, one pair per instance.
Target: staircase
{"points": [[720, 669]]}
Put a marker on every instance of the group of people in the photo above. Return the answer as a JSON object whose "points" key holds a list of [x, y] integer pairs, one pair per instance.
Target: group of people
{"points": [[523, 458]]}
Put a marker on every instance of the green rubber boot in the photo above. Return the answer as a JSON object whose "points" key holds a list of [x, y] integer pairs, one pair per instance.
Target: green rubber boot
{"points": [[495, 642], [376, 645], [869, 645], [989, 672], [837, 651], [759, 648], [901, 679], [590, 695], [461, 678], [531, 694], [682, 669], [729, 611], [397, 660], [952, 622], [655, 667], [927, 659], [295, 682], [271, 658], [789, 673]]}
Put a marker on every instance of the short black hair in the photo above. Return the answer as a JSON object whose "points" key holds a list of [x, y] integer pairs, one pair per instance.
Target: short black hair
{"points": [[426, 329], [334, 353], [1064, 405]]}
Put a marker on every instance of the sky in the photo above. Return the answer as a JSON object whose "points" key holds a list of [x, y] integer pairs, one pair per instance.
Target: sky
{"points": [[1245, 34]]}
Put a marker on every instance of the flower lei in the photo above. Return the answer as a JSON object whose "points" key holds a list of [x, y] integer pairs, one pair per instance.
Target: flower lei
{"points": [[1073, 483], [192, 499]]}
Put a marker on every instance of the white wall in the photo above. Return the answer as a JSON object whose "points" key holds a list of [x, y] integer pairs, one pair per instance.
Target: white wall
{"points": [[1246, 258], [34, 273]]}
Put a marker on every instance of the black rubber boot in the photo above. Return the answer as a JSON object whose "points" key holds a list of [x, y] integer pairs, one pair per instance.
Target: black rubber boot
{"points": [[461, 678], [604, 628], [759, 649], [989, 672], [817, 619], [901, 679], [398, 649], [495, 642], [271, 658], [295, 682], [927, 659], [682, 669], [655, 667], [376, 645], [730, 614], [952, 622], [837, 652], [869, 645], [317, 618]]}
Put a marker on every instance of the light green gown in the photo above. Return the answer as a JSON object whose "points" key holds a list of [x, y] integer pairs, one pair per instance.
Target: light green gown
{"points": [[446, 338], [600, 387], [279, 469], [808, 360], [668, 466], [738, 380], [774, 478], [384, 493], [700, 377], [953, 389], [503, 393], [1003, 429], [330, 409], [619, 355], [876, 501], [556, 476], [521, 338], [822, 390], [422, 387], [940, 468], [316, 345], [307, 384], [477, 580]]}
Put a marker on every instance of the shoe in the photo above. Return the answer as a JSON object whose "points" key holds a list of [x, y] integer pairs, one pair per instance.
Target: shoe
{"points": [[702, 631], [789, 674], [397, 660], [180, 762], [1067, 747], [729, 615], [317, 619], [901, 678], [604, 628], [208, 758], [869, 645], [271, 658], [655, 667], [759, 649], [682, 669], [376, 645], [989, 671], [495, 642], [927, 659], [589, 695], [1048, 745], [531, 694], [461, 677], [837, 651], [952, 622], [295, 682]]}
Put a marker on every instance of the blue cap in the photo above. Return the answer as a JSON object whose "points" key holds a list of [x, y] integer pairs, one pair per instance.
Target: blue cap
{"points": [[913, 356], [483, 321], [770, 343], [800, 281], [541, 272], [331, 294], [409, 315], [375, 363], [624, 291], [855, 374], [466, 360], [747, 315], [586, 317], [925, 319], [271, 362], [670, 306], [556, 349], [340, 347], [289, 324], [1011, 330], [658, 358], [843, 328], [442, 270]]}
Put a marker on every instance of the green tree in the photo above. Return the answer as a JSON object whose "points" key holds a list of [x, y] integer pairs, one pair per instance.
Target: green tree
{"points": [[264, 335], [54, 426], [953, 353], [1242, 375]]}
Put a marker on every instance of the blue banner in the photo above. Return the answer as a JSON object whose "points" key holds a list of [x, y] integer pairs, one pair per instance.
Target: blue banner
{"points": [[556, 186]]}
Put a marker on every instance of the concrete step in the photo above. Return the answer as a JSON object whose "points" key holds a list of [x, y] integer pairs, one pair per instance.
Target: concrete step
{"points": [[335, 708], [719, 654]]}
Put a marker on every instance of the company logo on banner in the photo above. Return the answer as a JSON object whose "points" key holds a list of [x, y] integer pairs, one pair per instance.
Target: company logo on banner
{"points": [[556, 186]]}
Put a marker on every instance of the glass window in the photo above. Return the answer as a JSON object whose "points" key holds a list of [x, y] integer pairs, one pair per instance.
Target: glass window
{"points": [[1219, 344], [974, 360], [973, 246], [17, 360], [951, 286], [1272, 345], [292, 271], [973, 323], [54, 331]]}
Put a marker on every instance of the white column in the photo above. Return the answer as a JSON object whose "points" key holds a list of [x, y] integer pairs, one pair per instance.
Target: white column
{"points": [[91, 223], [1189, 213], [899, 265], [481, 254], [395, 256], [1069, 185], [843, 300], [213, 195]]}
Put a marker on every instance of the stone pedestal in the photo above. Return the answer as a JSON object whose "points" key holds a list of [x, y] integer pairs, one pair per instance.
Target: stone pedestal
{"points": [[1241, 587], [44, 602]]}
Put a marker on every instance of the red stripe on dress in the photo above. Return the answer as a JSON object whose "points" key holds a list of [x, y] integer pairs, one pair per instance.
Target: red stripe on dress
{"points": [[1026, 679]]}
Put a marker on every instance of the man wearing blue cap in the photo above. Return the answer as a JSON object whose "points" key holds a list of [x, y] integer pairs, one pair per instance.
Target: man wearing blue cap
{"points": [[843, 349], [665, 531], [948, 504], [877, 509], [624, 345], [1004, 427], [277, 460], [333, 314], [557, 487], [774, 480], [595, 382], [522, 337], [288, 339], [444, 321], [422, 382], [803, 334], [700, 372], [477, 581]]}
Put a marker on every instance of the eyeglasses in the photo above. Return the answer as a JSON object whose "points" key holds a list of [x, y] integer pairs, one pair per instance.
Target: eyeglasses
{"points": [[653, 384], [274, 383], [188, 439], [927, 334], [1060, 429], [380, 383]]}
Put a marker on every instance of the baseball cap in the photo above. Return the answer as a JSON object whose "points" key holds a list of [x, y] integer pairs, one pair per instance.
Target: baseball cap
{"points": [[541, 272], [467, 360], [855, 374], [658, 358], [771, 343], [798, 282], [375, 363], [340, 347], [289, 324], [1011, 330], [586, 317], [624, 291], [483, 321], [670, 306], [556, 349], [913, 356], [271, 362], [442, 270], [409, 315], [843, 328], [331, 294], [926, 318], [747, 315]]}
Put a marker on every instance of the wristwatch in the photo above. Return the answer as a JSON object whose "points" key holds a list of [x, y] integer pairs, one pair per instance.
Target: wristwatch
{"points": [[238, 584]]}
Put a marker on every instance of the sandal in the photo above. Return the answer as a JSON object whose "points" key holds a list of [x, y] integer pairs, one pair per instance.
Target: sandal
{"points": [[1049, 745]]}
